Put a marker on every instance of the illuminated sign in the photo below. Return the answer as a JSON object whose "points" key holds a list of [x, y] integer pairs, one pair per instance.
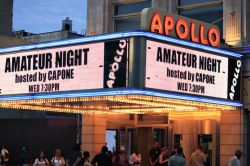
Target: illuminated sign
{"points": [[116, 57], [174, 68], [76, 67], [179, 69], [234, 79], [179, 26]]}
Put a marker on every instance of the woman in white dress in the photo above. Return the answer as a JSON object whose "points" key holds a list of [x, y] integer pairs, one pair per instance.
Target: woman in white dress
{"points": [[41, 160], [86, 159], [58, 160]]}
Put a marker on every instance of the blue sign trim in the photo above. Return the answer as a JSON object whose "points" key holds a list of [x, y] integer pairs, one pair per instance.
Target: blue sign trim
{"points": [[125, 91], [120, 35]]}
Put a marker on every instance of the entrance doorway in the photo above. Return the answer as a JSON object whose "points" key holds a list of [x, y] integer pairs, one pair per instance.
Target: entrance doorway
{"points": [[131, 139], [141, 137], [160, 135], [146, 136], [206, 142]]}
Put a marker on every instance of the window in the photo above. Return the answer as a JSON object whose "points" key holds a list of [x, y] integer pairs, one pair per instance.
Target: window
{"points": [[192, 2], [210, 11], [127, 16], [178, 140], [111, 136], [126, 24]]}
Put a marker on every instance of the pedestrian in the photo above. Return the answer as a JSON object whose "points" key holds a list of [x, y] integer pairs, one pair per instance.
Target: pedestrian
{"points": [[198, 157], [41, 160], [2, 160], [120, 159], [25, 157], [154, 154], [102, 159], [176, 146], [135, 158], [235, 161], [86, 159], [177, 159], [163, 158], [75, 158], [58, 160], [5, 154]]}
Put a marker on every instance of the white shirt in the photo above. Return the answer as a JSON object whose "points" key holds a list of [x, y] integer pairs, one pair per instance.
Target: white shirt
{"points": [[87, 163], [4, 151], [234, 161], [41, 163], [57, 162]]}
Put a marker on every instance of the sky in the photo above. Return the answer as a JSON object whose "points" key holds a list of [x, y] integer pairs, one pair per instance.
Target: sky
{"points": [[39, 16]]}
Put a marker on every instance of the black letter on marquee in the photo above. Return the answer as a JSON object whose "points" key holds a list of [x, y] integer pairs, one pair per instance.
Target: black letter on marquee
{"points": [[78, 57], [7, 65], [15, 64], [218, 61], [159, 54], [167, 55], [86, 50]]}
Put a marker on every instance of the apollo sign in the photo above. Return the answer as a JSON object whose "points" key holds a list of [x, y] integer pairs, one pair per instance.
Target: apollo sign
{"points": [[181, 27]]}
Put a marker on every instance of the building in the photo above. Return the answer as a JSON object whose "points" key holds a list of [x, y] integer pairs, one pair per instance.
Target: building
{"points": [[65, 33], [115, 15], [122, 94], [6, 41], [19, 123], [231, 18], [101, 79], [6, 17]]}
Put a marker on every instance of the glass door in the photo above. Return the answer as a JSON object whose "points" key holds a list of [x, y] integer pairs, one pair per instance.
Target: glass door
{"points": [[206, 142]]}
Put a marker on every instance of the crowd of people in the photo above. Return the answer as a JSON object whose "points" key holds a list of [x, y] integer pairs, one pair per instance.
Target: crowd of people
{"points": [[162, 157], [157, 157]]}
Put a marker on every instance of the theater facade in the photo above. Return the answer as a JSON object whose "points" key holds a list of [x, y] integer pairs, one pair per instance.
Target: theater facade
{"points": [[140, 85], [133, 88]]}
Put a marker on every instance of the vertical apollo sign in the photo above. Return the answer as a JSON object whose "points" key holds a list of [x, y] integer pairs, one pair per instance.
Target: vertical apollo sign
{"points": [[234, 79], [116, 63]]}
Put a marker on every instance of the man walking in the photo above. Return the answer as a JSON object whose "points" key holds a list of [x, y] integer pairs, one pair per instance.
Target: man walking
{"points": [[5, 155], [235, 161], [102, 159], [154, 154], [177, 159]]}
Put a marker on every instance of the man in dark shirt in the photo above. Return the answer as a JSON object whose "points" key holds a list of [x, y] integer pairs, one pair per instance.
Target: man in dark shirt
{"points": [[102, 159], [154, 154], [176, 146], [25, 157], [75, 157]]}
